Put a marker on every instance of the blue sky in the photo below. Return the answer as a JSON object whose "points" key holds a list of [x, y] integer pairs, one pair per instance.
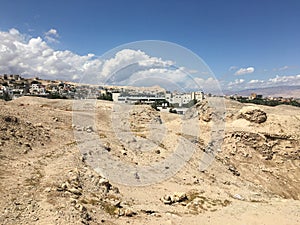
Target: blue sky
{"points": [[241, 41]]}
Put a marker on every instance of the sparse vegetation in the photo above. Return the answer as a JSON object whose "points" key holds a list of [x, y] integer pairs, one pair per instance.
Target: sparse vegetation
{"points": [[267, 102], [106, 97]]}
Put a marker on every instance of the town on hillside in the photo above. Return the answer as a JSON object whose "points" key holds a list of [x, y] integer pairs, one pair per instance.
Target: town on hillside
{"points": [[14, 86]]}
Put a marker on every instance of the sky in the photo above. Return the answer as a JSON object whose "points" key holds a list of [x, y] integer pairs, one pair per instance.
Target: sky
{"points": [[245, 43]]}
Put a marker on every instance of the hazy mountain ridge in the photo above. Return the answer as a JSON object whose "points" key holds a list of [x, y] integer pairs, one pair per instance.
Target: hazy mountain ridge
{"points": [[279, 91]]}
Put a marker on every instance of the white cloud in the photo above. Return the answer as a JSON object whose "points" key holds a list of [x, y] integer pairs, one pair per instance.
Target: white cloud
{"points": [[149, 74], [276, 81], [209, 85], [169, 79], [14, 31], [52, 32], [191, 71], [285, 80], [128, 57], [255, 81], [33, 57], [51, 36], [136, 68], [236, 82], [283, 68], [243, 71]]}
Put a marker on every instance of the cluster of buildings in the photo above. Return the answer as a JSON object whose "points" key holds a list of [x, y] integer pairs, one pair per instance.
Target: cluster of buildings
{"points": [[176, 99], [163, 100], [14, 86], [255, 96]]}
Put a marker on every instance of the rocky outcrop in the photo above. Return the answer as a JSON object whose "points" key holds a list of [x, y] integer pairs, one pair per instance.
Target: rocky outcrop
{"points": [[194, 201], [21, 136], [204, 110], [253, 114]]}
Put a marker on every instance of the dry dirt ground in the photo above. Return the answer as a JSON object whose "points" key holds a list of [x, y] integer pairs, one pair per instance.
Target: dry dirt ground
{"points": [[47, 178]]}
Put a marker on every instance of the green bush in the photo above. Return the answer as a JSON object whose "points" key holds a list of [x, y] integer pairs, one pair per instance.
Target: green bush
{"points": [[106, 97]]}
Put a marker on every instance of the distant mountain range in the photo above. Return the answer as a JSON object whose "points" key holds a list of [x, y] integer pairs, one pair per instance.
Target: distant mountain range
{"points": [[279, 91]]}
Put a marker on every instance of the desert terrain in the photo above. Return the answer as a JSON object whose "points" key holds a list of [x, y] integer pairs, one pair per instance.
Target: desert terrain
{"points": [[49, 176]]}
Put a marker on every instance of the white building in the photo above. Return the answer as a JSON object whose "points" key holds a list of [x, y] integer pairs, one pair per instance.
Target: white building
{"points": [[115, 96], [183, 98], [198, 95], [142, 98], [7, 90], [37, 89], [177, 99]]}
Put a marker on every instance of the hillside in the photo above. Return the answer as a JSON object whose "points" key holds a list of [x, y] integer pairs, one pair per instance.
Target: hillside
{"points": [[48, 175]]}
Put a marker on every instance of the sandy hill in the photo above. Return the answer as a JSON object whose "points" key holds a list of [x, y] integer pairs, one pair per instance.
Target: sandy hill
{"points": [[49, 176]]}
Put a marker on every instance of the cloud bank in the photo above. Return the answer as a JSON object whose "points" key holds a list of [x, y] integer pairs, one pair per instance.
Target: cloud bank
{"points": [[239, 84], [34, 56], [276, 81]]}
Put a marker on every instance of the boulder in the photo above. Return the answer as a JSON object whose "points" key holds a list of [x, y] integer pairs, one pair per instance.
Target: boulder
{"points": [[176, 197], [204, 111], [253, 114]]}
